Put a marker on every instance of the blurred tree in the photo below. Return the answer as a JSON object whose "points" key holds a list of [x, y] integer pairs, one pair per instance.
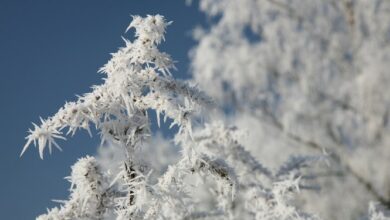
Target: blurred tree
{"points": [[302, 77]]}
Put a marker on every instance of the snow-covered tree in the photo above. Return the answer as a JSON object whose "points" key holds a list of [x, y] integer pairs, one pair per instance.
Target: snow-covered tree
{"points": [[204, 172], [306, 76]]}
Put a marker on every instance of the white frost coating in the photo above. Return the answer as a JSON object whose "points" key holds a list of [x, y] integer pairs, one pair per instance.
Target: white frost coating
{"points": [[136, 80], [89, 194]]}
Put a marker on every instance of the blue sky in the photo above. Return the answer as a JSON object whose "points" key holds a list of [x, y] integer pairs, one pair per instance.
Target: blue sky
{"points": [[49, 52]]}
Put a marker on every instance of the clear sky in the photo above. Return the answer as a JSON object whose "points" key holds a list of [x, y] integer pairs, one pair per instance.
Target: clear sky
{"points": [[49, 52]]}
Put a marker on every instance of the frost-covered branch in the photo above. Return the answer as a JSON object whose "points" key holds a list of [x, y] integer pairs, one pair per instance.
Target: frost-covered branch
{"points": [[138, 79]]}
